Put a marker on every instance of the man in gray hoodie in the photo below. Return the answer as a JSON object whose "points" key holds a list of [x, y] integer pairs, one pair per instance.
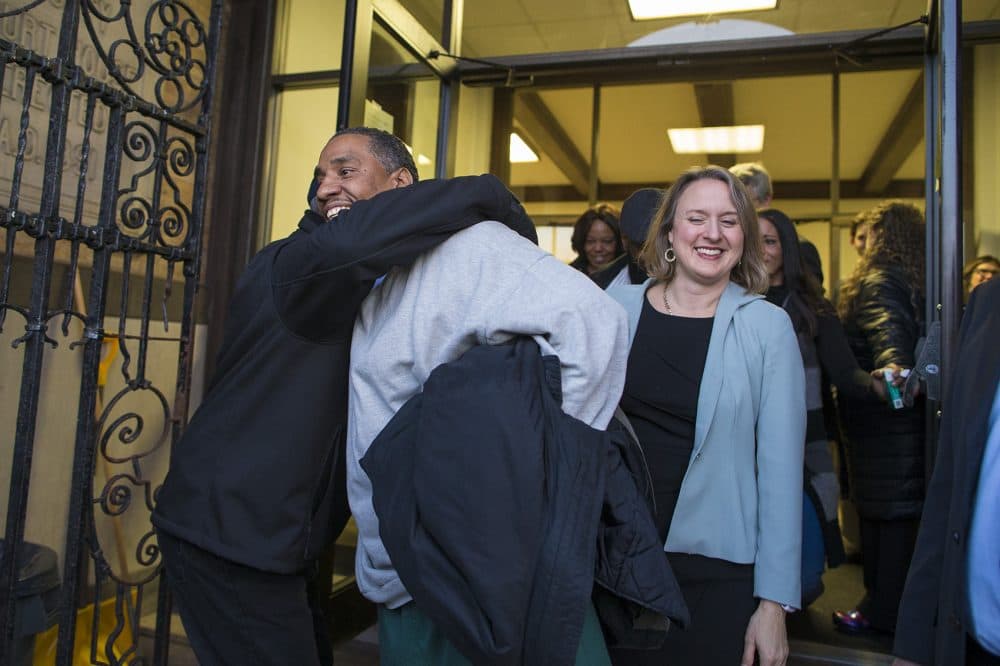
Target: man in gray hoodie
{"points": [[483, 286]]}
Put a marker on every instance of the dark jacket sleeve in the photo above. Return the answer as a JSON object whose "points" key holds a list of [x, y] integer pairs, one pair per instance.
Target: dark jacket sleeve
{"points": [[886, 315], [319, 279], [919, 606], [837, 359]]}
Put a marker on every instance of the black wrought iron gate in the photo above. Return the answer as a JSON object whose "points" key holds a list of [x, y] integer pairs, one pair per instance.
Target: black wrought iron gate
{"points": [[104, 129]]}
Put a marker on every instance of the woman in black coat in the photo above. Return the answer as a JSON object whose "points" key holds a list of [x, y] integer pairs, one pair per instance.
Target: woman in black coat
{"points": [[882, 308]]}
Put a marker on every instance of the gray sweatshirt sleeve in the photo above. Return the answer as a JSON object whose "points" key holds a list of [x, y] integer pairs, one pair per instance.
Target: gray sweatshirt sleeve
{"points": [[569, 316]]}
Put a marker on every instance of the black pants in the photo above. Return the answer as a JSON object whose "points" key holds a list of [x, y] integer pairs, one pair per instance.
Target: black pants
{"points": [[719, 596], [886, 550], [976, 654], [234, 614]]}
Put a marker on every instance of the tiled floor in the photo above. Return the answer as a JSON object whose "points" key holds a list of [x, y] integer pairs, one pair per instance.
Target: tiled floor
{"points": [[814, 625], [360, 651]]}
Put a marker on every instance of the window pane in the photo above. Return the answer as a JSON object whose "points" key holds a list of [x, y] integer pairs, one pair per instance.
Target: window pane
{"points": [[403, 98], [310, 36], [429, 13], [299, 140], [983, 230]]}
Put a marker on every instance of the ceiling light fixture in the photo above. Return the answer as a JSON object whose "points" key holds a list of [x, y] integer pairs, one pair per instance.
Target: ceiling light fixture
{"points": [[658, 9], [520, 151], [704, 140]]}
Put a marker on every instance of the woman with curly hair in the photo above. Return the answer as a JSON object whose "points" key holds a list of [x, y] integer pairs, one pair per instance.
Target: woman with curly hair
{"points": [[597, 239], [882, 309]]}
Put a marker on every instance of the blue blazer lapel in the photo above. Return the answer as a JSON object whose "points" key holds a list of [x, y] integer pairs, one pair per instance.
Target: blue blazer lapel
{"points": [[715, 364]]}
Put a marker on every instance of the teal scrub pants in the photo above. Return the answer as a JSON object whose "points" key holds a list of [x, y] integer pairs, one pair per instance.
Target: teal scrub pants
{"points": [[407, 637]]}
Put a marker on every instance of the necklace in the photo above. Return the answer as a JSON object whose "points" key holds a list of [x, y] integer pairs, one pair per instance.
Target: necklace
{"points": [[666, 303]]}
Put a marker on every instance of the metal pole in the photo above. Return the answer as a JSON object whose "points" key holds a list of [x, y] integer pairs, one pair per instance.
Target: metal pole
{"points": [[346, 64], [951, 176], [35, 338], [595, 136], [833, 270], [932, 211], [354, 63], [447, 131]]}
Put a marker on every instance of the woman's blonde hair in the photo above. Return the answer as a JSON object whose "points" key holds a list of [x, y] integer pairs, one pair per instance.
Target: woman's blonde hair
{"points": [[749, 272]]}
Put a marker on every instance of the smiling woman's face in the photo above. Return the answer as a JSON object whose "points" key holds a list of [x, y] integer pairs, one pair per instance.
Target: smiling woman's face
{"points": [[599, 246], [774, 261], [706, 236]]}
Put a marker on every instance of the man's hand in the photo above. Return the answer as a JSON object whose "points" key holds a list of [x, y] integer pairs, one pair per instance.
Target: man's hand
{"points": [[766, 636], [899, 661]]}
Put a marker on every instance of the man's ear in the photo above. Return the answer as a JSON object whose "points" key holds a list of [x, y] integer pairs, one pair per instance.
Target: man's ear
{"points": [[401, 177]]}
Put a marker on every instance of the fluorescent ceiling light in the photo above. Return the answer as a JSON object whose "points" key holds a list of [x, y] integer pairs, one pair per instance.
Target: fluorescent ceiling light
{"points": [[520, 151], [703, 140], [654, 9]]}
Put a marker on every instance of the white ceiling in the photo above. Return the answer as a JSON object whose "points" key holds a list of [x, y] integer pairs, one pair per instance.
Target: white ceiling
{"points": [[506, 27], [633, 148]]}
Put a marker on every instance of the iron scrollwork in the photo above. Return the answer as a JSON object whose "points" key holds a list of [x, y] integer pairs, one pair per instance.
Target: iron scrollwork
{"points": [[142, 213], [121, 430], [104, 188], [173, 45]]}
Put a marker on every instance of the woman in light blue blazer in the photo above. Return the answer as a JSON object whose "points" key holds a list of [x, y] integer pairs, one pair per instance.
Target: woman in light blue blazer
{"points": [[715, 391]]}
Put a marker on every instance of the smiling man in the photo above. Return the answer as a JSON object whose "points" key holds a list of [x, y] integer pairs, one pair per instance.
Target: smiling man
{"points": [[356, 165], [255, 491]]}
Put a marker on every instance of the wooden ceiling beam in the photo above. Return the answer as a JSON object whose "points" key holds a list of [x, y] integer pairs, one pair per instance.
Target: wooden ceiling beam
{"points": [[899, 141], [715, 108], [783, 190], [531, 113]]}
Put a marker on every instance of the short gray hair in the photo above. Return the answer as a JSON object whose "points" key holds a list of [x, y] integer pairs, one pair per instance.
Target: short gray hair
{"points": [[757, 180]]}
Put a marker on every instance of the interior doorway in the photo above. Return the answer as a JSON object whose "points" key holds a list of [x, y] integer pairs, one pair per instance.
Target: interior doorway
{"points": [[840, 107]]}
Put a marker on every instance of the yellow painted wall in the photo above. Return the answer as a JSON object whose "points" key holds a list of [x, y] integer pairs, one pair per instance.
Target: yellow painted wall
{"points": [[986, 157]]}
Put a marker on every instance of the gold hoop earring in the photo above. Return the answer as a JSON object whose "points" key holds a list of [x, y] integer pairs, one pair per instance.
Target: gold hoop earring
{"points": [[669, 255]]}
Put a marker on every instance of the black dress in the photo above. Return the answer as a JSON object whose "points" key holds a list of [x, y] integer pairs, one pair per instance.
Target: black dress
{"points": [[662, 382]]}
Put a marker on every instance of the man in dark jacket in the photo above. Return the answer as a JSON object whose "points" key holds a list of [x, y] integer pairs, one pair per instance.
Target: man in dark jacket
{"points": [[950, 611], [255, 490]]}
